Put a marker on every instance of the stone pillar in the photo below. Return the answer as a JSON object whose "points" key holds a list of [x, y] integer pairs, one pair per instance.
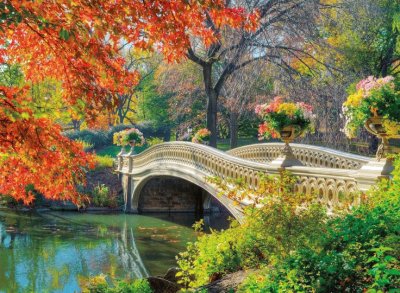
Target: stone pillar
{"points": [[120, 158], [128, 185]]}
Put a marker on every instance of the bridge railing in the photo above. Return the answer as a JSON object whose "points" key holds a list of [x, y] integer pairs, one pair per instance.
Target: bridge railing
{"points": [[192, 156], [311, 156], [331, 175]]}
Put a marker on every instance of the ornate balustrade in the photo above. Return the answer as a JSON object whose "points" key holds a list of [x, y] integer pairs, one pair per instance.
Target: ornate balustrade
{"points": [[331, 175], [312, 156]]}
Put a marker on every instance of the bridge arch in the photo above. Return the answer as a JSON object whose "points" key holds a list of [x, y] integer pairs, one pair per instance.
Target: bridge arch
{"points": [[209, 190]]}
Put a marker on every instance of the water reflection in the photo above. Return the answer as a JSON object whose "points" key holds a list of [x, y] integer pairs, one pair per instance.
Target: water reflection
{"points": [[55, 252]]}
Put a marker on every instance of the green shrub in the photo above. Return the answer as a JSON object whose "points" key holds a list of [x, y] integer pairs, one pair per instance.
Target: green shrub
{"points": [[103, 198], [295, 247], [96, 138], [99, 284], [153, 141], [360, 251], [104, 162], [86, 145], [101, 138], [267, 235]]}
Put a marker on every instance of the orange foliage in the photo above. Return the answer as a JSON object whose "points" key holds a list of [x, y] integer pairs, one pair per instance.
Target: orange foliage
{"points": [[33, 151], [78, 43]]}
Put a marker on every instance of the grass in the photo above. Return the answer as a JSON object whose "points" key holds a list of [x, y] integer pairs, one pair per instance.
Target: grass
{"points": [[113, 150], [104, 162], [224, 145]]}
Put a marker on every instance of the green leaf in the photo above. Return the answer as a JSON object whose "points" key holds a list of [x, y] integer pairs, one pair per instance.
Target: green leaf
{"points": [[25, 115], [393, 272], [64, 34]]}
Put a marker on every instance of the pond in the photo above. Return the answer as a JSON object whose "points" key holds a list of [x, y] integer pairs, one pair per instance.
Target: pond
{"points": [[57, 251]]}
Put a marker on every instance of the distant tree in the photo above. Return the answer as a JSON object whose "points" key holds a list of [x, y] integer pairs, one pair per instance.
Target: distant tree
{"points": [[240, 94], [187, 102], [281, 30], [364, 35]]}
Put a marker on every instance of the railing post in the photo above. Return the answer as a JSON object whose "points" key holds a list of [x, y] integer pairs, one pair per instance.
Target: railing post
{"points": [[286, 159], [372, 172]]}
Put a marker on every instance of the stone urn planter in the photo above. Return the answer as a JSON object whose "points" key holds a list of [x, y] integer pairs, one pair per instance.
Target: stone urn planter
{"points": [[374, 125], [287, 158], [288, 134]]}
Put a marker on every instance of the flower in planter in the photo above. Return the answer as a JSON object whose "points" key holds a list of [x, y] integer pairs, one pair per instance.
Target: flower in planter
{"points": [[124, 137], [135, 136], [118, 138], [201, 136], [373, 97], [277, 115]]}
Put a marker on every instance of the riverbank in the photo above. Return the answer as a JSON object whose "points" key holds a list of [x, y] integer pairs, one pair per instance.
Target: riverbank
{"points": [[103, 190]]}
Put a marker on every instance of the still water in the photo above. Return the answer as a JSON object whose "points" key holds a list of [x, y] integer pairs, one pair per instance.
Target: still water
{"points": [[57, 251]]}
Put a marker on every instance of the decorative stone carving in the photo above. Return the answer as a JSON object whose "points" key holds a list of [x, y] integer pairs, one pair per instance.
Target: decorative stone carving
{"points": [[311, 156], [334, 177]]}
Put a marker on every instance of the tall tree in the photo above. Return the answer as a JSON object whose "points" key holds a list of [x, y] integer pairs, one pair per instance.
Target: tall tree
{"points": [[277, 33], [183, 82], [366, 35], [245, 89]]}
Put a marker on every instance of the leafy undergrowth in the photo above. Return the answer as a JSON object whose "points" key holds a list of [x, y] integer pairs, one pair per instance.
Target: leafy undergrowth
{"points": [[295, 247], [99, 284]]}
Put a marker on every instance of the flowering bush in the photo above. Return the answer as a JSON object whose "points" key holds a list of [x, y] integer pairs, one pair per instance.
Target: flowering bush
{"points": [[123, 137], [278, 115], [373, 97], [201, 135]]}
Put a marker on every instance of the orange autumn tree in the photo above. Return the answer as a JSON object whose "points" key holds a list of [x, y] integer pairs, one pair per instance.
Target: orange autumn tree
{"points": [[79, 43]]}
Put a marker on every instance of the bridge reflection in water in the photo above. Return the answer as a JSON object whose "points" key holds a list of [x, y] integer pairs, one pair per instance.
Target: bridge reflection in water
{"points": [[330, 175], [57, 252]]}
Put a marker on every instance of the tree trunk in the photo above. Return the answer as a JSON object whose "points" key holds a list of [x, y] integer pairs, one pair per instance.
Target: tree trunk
{"points": [[233, 129], [167, 134], [120, 116], [212, 99], [76, 124]]}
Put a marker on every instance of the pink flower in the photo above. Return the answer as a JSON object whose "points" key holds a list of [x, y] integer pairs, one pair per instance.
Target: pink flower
{"points": [[304, 106], [371, 83], [263, 109], [258, 109]]}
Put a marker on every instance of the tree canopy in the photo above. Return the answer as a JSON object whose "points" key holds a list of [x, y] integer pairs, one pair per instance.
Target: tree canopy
{"points": [[78, 43]]}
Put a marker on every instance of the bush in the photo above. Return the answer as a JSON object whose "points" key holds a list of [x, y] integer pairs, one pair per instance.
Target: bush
{"points": [[153, 141], [295, 247], [101, 138], [268, 234], [99, 284], [103, 198], [96, 138], [360, 251], [86, 146], [104, 162]]}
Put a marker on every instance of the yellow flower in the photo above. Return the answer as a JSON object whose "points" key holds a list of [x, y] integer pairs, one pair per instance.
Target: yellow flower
{"points": [[392, 127], [355, 99], [287, 108]]}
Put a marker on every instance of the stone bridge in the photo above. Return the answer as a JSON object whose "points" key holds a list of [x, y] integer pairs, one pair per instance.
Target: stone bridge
{"points": [[331, 175]]}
